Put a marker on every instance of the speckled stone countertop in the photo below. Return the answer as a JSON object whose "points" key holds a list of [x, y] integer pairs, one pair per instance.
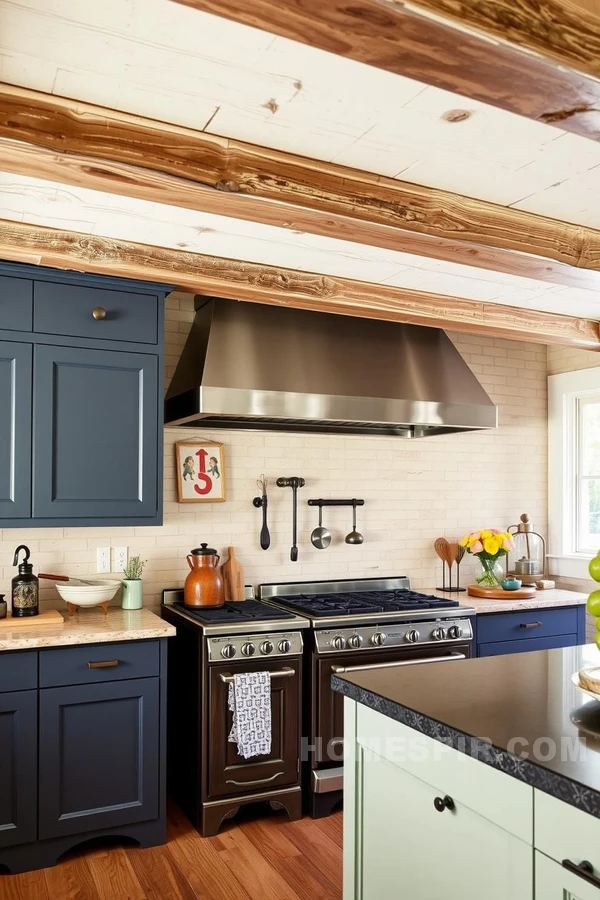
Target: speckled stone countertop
{"points": [[542, 599], [499, 709], [88, 626]]}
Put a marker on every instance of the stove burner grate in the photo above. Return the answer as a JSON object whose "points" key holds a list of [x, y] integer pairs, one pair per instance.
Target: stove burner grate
{"points": [[365, 603], [241, 611]]}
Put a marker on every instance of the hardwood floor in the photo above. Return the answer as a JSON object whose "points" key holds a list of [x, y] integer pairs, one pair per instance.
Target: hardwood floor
{"points": [[264, 858]]}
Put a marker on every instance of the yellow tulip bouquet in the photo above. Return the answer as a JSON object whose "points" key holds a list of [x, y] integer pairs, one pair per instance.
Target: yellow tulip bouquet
{"points": [[488, 545]]}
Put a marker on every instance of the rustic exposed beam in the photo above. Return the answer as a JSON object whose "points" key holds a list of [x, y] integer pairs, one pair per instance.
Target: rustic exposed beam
{"points": [[123, 154], [269, 284], [545, 63]]}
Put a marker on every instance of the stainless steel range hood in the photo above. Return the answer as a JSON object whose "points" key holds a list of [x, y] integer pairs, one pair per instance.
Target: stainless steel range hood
{"points": [[269, 367]]}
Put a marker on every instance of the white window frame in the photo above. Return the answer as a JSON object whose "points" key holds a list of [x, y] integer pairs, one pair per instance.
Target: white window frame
{"points": [[564, 392]]}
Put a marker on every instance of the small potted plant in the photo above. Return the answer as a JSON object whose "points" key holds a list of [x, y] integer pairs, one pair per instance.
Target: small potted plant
{"points": [[132, 583]]}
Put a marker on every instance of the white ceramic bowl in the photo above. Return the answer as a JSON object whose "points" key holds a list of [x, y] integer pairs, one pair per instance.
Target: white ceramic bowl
{"points": [[88, 594]]}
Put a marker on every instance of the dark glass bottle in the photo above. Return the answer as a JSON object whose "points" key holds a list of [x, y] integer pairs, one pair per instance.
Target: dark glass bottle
{"points": [[25, 587]]}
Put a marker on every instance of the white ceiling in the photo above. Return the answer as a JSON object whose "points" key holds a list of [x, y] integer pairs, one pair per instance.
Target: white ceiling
{"points": [[166, 61], [169, 62], [39, 202]]}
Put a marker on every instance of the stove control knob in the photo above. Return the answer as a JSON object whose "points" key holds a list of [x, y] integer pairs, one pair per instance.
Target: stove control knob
{"points": [[455, 631], [438, 634], [355, 641], [248, 649], [412, 636], [378, 638], [228, 651], [266, 647], [284, 646], [338, 642]]}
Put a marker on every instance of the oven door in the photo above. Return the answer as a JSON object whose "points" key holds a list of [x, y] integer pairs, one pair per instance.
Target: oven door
{"points": [[328, 706], [228, 772]]}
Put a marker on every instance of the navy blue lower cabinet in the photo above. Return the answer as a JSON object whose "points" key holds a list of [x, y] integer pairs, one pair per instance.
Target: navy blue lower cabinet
{"points": [[534, 629], [18, 767], [99, 759]]}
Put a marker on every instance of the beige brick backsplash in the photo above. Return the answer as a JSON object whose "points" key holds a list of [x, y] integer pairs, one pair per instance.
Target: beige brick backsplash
{"points": [[414, 492], [570, 359]]}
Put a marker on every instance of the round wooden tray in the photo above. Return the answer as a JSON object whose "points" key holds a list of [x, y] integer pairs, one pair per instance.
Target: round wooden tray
{"points": [[490, 593]]}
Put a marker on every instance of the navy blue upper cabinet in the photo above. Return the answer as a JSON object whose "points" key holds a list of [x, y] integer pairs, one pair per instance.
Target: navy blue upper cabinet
{"points": [[81, 375], [15, 429], [95, 424], [16, 303]]}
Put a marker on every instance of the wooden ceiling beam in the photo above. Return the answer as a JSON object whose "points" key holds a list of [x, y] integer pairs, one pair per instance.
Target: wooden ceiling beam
{"points": [[541, 60], [258, 283], [79, 144]]}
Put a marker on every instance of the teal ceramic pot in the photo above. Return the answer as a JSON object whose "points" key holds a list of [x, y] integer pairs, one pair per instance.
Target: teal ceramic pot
{"points": [[132, 594], [511, 584]]}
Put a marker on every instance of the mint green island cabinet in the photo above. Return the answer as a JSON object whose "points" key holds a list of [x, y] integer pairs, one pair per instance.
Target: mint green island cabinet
{"points": [[466, 782]]}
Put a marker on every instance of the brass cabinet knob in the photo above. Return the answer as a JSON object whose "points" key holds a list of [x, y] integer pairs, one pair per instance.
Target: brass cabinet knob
{"points": [[99, 313]]}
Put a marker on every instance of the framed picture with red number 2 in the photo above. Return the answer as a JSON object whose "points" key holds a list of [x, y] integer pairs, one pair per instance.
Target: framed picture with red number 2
{"points": [[200, 471]]}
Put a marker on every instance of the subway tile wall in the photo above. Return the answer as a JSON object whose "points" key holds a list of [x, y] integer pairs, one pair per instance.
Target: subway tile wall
{"points": [[413, 491], [570, 359]]}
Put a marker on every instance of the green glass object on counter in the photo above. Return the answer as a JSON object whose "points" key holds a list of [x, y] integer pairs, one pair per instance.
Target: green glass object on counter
{"points": [[25, 587]]}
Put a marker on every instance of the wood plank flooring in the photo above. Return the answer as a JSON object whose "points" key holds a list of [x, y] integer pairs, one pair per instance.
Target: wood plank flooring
{"points": [[266, 858]]}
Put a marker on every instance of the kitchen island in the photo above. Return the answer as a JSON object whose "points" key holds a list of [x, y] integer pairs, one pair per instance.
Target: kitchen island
{"points": [[472, 778]]}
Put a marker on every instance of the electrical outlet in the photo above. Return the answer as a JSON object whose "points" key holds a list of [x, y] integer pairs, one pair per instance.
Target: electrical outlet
{"points": [[103, 560], [120, 558]]}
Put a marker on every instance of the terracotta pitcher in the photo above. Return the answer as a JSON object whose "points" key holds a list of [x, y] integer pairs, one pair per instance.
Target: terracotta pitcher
{"points": [[204, 584]]}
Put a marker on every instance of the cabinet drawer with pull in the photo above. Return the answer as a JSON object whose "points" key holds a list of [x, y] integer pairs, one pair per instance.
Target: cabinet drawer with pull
{"points": [[566, 880], [99, 662], [526, 625], [566, 834], [97, 313]]}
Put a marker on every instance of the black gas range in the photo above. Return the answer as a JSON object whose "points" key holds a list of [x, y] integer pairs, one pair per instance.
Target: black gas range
{"points": [[360, 624]]}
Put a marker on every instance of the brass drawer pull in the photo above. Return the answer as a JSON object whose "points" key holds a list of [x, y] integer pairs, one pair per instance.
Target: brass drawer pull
{"points": [[283, 673], [99, 313], [530, 625], [258, 780], [104, 664]]}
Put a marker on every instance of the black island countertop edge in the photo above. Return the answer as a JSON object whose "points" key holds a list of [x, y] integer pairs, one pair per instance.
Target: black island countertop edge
{"points": [[532, 773]]}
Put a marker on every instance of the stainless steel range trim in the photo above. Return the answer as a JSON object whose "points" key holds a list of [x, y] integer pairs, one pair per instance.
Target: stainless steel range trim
{"points": [[326, 780], [347, 670], [283, 673], [372, 637], [228, 647], [340, 585]]}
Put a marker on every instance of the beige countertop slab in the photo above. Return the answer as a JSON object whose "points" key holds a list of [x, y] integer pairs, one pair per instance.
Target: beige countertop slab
{"points": [[89, 626], [542, 600]]}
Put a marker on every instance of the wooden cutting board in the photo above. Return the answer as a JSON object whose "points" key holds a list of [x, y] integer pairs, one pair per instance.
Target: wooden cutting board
{"points": [[489, 593], [233, 577], [48, 617]]}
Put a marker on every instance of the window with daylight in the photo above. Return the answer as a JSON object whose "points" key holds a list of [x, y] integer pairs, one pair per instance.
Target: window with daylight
{"points": [[574, 470]]}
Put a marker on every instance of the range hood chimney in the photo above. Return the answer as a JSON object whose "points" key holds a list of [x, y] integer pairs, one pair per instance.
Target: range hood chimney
{"points": [[270, 367]]}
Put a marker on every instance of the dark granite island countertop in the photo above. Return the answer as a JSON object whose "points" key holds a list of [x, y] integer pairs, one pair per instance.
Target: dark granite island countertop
{"points": [[520, 714]]}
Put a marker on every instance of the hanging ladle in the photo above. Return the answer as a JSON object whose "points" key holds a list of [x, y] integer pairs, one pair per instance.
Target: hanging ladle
{"points": [[355, 537], [320, 538]]}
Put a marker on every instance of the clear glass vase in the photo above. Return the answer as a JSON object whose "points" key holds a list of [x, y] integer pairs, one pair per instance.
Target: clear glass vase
{"points": [[490, 572]]}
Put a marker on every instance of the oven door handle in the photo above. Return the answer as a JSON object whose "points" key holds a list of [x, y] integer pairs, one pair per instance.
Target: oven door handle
{"points": [[226, 678], [346, 670]]}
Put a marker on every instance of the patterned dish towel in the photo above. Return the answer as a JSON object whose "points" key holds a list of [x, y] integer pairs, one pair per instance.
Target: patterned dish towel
{"points": [[250, 702]]}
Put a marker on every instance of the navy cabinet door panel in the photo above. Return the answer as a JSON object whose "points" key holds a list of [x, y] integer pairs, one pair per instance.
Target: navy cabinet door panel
{"points": [[18, 671], [15, 429], [95, 434], [99, 763], [18, 766], [16, 303], [499, 648], [68, 309], [512, 626]]}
